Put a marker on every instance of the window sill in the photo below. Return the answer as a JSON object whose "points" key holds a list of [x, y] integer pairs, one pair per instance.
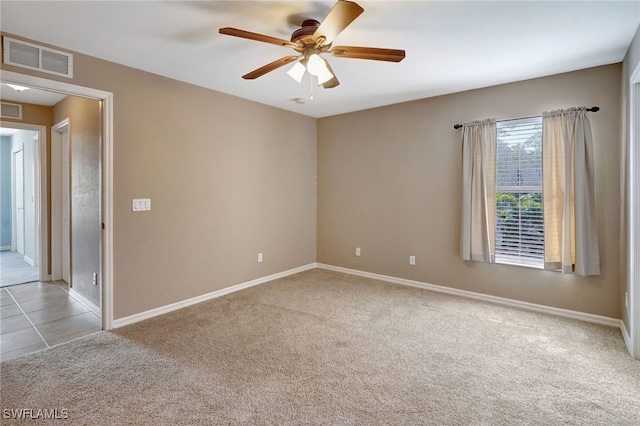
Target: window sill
{"points": [[518, 261]]}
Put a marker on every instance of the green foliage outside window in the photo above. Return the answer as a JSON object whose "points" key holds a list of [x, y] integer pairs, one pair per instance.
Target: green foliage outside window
{"points": [[519, 217]]}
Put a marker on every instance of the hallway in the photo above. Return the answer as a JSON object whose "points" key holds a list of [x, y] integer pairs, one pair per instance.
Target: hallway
{"points": [[39, 315]]}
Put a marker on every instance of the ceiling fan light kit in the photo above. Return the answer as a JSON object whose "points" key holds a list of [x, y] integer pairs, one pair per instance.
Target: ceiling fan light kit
{"points": [[296, 72], [317, 67], [314, 64], [313, 39]]}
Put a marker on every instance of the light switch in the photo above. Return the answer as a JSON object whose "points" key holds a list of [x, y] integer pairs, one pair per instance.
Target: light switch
{"points": [[141, 204]]}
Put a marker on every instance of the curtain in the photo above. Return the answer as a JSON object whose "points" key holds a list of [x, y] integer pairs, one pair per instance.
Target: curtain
{"points": [[477, 240], [570, 229]]}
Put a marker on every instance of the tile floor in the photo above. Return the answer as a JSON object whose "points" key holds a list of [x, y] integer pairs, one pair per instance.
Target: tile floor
{"points": [[15, 270], [38, 315]]}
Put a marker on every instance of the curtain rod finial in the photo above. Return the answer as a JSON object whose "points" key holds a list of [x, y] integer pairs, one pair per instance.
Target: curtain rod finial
{"points": [[457, 126]]}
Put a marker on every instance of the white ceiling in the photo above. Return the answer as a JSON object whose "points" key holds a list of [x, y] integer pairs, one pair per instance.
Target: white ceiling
{"points": [[30, 96], [451, 46]]}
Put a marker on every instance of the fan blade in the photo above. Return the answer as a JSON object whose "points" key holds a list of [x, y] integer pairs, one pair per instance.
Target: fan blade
{"points": [[269, 67], [391, 55], [255, 36], [334, 81], [339, 18]]}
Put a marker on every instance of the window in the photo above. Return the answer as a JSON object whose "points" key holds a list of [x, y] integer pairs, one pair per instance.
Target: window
{"points": [[519, 216]]}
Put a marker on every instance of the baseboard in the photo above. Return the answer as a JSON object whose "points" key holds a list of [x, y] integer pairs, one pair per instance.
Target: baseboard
{"points": [[597, 319], [29, 260], [5, 248], [566, 313], [121, 322], [85, 302]]}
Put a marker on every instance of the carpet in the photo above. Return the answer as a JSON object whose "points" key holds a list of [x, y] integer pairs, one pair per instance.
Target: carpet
{"points": [[324, 348], [14, 270]]}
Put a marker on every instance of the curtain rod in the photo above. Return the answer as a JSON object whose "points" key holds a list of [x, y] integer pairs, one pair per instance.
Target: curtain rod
{"points": [[592, 109]]}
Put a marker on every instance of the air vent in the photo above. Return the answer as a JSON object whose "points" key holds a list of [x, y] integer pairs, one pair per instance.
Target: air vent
{"points": [[29, 55], [8, 110]]}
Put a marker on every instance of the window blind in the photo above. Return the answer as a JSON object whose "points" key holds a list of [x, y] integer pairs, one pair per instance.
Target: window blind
{"points": [[519, 214]]}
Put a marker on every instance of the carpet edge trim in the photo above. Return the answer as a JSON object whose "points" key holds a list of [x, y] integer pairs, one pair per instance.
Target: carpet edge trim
{"points": [[131, 319], [566, 313]]}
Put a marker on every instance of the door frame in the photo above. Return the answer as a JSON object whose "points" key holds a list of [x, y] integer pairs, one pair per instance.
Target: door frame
{"points": [[40, 202], [37, 205], [634, 214], [106, 181], [16, 234], [56, 196]]}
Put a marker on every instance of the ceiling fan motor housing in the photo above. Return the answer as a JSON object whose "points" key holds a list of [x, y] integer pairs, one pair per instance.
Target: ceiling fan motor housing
{"points": [[305, 32]]}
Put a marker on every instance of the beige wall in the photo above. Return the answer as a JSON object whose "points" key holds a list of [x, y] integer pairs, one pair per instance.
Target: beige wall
{"points": [[631, 62], [389, 181], [227, 178], [84, 135]]}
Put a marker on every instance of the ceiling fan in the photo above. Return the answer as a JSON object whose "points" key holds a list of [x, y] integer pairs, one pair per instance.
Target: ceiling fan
{"points": [[313, 39]]}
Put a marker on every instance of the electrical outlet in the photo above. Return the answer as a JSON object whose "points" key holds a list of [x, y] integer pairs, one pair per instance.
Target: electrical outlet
{"points": [[95, 278], [412, 260], [259, 257], [626, 299], [357, 251]]}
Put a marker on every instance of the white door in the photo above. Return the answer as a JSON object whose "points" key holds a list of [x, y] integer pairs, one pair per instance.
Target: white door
{"points": [[18, 158], [66, 210]]}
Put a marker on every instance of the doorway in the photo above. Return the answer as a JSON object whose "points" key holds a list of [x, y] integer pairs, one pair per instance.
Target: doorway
{"points": [[20, 246], [40, 314], [102, 206]]}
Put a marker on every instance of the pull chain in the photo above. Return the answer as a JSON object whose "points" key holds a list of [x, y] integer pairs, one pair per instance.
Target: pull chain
{"points": [[311, 80]]}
